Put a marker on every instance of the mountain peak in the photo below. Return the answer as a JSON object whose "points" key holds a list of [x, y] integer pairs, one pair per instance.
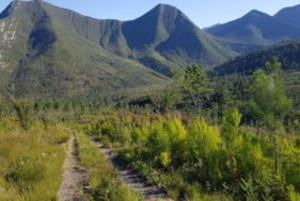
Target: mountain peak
{"points": [[155, 26], [167, 11], [255, 14], [163, 10], [166, 7]]}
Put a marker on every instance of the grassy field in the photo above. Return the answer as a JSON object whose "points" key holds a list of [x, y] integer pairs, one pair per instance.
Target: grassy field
{"points": [[31, 161]]}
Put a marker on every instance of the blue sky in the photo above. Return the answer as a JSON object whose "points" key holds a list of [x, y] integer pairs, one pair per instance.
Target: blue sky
{"points": [[202, 12]]}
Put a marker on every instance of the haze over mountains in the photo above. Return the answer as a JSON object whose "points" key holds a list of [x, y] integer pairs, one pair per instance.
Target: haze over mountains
{"points": [[48, 51]]}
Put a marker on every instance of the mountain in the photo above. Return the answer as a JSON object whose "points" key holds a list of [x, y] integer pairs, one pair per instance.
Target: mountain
{"points": [[162, 38], [290, 15], [47, 51], [256, 28], [166, 34], [287, 52], [42, 55]]}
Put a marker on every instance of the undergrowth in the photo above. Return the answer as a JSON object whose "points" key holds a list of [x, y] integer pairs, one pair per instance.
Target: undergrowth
{"points": [[197, 160]]}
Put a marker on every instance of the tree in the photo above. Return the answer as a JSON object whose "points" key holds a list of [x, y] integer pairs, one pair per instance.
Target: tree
{"points": [[195, 83], [231, 121], [268, 101], [23, 108]]}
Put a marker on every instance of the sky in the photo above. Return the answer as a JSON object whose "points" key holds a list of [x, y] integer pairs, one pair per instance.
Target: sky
{"points": [[203, 13]]}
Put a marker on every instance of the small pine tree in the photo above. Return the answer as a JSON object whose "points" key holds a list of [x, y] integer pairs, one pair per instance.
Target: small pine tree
{"points": [[268, 101], [195, 83], [23, 108]]}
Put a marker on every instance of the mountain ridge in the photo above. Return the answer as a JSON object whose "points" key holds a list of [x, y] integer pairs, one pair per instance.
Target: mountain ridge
{"points": [[57, 51], [289, 15], [127, 38], [257, 28]]}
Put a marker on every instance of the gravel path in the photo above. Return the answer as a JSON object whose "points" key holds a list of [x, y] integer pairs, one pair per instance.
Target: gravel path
{"points": [[134, 180], [74, 177]]}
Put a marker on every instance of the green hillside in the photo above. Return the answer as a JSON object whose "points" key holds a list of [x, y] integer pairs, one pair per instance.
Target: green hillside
{"points": [[48, 57]]}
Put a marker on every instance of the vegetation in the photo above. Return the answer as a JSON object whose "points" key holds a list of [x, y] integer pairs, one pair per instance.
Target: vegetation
{"points": [[253, 155], [199, 159], [30, 159]]}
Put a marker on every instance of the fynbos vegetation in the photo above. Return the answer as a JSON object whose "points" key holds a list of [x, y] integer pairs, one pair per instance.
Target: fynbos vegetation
{"points": [[88, 100]]}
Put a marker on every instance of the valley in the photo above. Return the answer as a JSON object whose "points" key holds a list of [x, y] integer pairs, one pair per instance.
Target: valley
{"points": [[153, 108]]}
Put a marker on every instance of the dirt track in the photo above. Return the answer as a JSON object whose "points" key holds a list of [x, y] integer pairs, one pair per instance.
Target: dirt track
{"points": [[74, 177]]}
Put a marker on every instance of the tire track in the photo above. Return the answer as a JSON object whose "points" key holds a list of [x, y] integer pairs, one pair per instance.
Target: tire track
{"points": [[74, 178], [134, 179]]}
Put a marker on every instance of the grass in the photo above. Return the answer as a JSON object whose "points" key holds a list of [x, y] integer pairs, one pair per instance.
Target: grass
{"points": [[103, 179], [31, 162]]}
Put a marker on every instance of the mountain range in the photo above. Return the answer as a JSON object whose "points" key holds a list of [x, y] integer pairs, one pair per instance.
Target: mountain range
{"points": [[48, 51], [286, 49], [258, 28]]}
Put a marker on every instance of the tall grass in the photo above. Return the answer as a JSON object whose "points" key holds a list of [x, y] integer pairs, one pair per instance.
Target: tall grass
{"points": [[31, 162]]}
